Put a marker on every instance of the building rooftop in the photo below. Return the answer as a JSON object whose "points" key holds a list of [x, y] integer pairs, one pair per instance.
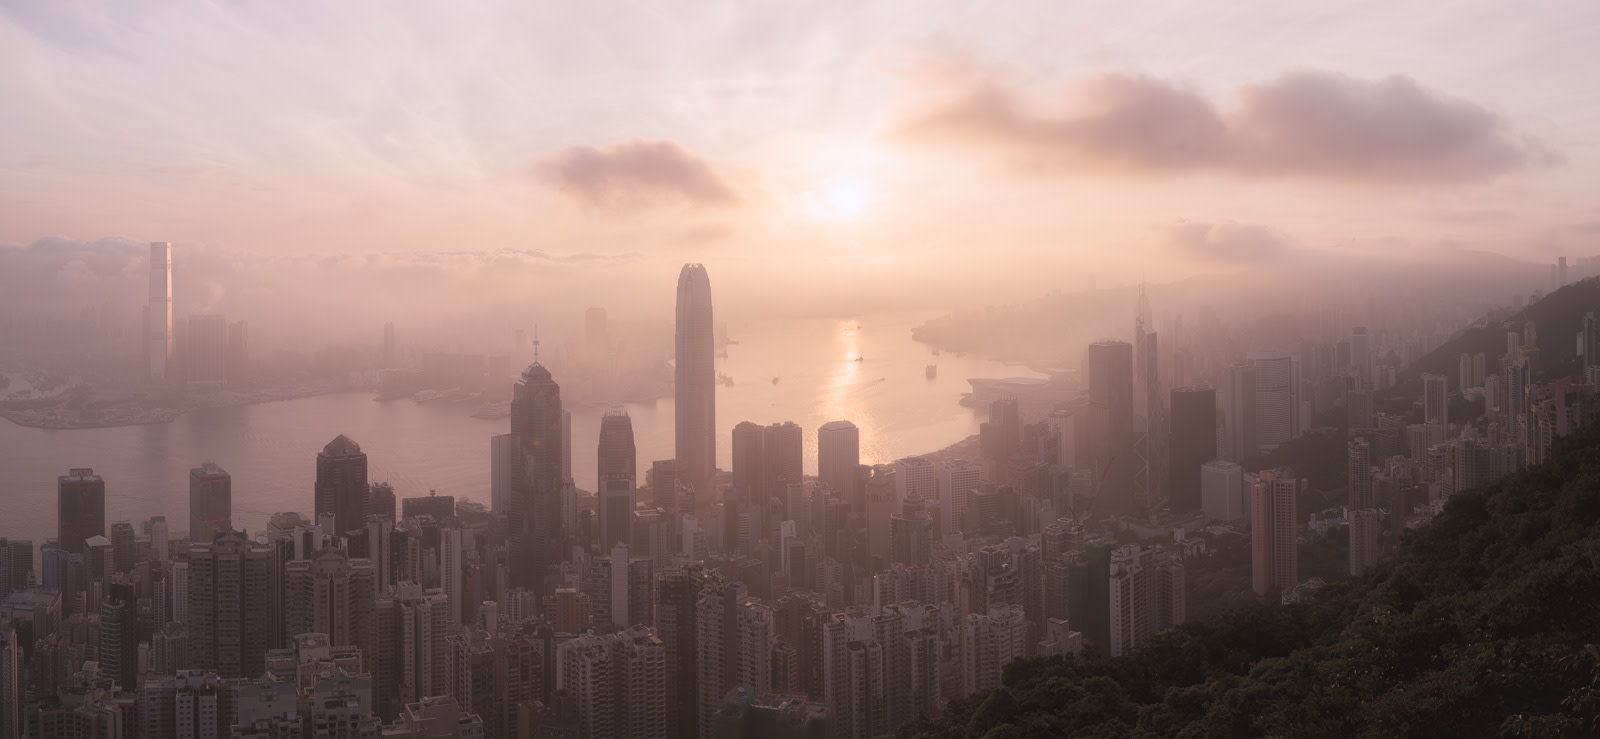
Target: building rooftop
{"points": [[342, 446]]}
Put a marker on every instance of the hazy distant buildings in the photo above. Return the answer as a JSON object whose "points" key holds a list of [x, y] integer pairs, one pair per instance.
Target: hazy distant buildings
{"points": [[341, 487], [80, 508], [838, 457], [1222, 492], [210, 502], [694, 388], [502, 457], [1435, 399], [158, 346], [238, 352], [1239, 401], [1361, 369], [1275, 558], [206, 360], [1194, 443], [956, 481]]}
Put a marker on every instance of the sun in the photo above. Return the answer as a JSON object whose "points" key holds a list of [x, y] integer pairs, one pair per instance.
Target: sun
{"points": [[840, 198]]}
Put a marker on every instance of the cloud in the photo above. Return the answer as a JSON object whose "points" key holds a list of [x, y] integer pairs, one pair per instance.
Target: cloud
{"points": [[1228, 242], [636, 173], [1307, 124]]}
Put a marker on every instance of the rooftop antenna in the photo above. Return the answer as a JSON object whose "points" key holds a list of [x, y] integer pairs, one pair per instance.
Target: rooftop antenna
{"points": [[535, 343]]}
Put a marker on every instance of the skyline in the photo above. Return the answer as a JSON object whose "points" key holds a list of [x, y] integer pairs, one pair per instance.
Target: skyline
{"points": [[500, 138]]}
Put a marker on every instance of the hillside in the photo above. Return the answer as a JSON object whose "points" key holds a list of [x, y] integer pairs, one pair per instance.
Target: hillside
{"points": [[1484, 623], [1557, 316]]}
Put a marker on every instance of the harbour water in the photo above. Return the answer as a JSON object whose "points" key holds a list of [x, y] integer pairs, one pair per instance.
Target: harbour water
{"points": [[866, 370]]}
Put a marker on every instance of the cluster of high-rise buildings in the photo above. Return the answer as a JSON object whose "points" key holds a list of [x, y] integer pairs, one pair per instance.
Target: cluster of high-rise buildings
{"points": [[203, 350], [698, 602]]}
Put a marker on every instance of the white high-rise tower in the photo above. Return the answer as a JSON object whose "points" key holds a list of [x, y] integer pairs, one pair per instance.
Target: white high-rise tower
{"points": [[159, 339]]}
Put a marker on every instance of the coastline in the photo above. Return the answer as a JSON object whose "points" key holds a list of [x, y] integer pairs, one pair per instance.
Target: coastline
{"points": [[120, 415]]}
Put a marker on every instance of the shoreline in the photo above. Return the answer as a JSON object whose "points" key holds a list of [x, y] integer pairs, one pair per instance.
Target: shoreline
{"points": [[44, 419]]}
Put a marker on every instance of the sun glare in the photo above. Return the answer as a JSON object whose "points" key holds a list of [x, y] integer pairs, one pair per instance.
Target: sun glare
{"points": [[840, 198]]}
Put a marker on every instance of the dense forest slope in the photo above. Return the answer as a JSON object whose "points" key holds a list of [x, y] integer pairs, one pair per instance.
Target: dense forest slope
{"points": [[1483, 624]]}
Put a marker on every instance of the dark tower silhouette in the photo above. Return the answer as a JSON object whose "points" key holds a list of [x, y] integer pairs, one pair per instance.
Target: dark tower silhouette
{"points": [[695, 389], [342, 485], [535, 513], [210, 502], [618, 466], [1111, 437], [1194, 443], [80, 508]]}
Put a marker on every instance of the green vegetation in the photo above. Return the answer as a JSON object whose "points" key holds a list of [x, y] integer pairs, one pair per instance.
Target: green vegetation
{"points": [[1481, 625]]}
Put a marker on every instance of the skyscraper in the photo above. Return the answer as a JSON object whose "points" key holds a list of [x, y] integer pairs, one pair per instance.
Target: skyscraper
{"points": [[619, 682], [210, 502], [238, 352], [230, 604], [1362, 510], [1111, 442], [1361, 358], [342, 489], [1194, 443], [1591, 341], [1146, 596], [618, 472], [838, 456], [332, 594], [1149, 400], [957, 479], [1240, 403], [80, 508], [536, 513], [11, 677], [502, 455], [158, 344], [119, 630], [677, 607], [388, 344], [1435, 400], [1222, 492], [1277, 398], [988, 641], [735, 650], [694, 388], [1274, 560], [207, 350]]}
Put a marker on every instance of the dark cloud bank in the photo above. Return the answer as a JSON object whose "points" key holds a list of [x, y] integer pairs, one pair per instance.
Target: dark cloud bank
{"points": [[635, 173], [1309, 124]]}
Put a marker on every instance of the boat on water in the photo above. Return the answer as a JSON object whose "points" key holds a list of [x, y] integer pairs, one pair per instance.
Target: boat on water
{"points": [[1007, 385], [933, 371], [499, 409], [430, 396]]}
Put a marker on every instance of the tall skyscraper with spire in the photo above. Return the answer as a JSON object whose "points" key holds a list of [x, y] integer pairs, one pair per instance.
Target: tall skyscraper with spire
{"points": [[695, 390], [535, 513], [159, 337], [1148, 401]]}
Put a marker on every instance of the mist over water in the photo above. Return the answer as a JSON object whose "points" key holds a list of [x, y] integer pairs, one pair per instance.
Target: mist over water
{"points": [[270, 449]]}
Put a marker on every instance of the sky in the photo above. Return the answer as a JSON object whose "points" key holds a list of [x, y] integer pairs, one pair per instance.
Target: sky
{"points": [[827, 148]]}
